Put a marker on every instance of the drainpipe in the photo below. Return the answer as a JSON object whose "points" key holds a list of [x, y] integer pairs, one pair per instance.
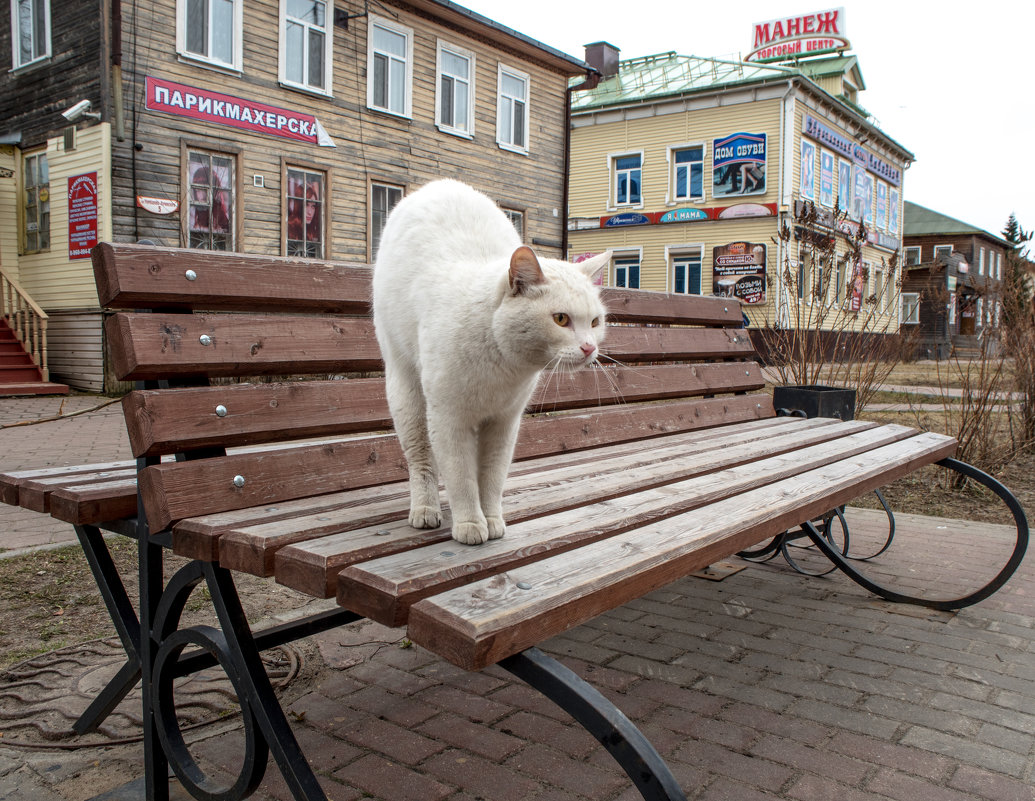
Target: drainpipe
{"points": [[116, 69], [592, 79], [779, 309]]}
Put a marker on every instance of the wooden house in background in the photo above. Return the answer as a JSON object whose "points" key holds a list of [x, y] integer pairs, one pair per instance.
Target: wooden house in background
{"points": [[262, 127]]}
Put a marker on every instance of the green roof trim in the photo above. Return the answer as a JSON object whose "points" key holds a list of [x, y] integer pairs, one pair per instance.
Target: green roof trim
{"points": [[919, 220]]}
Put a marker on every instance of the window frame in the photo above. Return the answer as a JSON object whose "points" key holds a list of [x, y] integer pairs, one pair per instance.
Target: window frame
{"points": [[23, 206], [235, 65], [40, 55], [440, 122], [505, 144], [612, 169], [905, 255], [286, 167], [673, 197], [328, 51], [236, 222], [909, 302], [516, 214], [407, 33], [676, 254], [374, 242], [942, 247], [627, 256]]}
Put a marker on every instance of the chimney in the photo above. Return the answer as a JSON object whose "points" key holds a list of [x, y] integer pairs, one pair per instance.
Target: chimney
{"points": [[603, 57]]}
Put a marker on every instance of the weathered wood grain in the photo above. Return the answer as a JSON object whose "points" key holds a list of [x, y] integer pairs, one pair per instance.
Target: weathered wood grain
{"points": [[630, 305], [479, 624], [384, 589], [34, 493], [95, 503]]}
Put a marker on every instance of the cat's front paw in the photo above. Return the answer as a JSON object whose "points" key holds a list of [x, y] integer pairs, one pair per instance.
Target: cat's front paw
{"points": [[470, 533], [497, 527], [425, 517]]}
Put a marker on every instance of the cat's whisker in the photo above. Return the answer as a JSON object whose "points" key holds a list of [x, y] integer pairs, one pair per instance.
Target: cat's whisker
{"points": [[613, 382]]}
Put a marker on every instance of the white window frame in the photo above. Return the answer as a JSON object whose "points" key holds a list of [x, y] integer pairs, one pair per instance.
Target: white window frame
{"points": [[447, 126], [387, 185], [505, 143], [235, 63], [679, 253], [402, 30], [328, 50], [672, 198], [517, 218], [625, 254], [905, 255], [941, 247], [909, 304], [38, 37], [612, 180]]}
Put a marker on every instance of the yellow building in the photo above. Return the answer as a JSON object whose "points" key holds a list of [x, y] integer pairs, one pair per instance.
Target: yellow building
{"points": [[688, 168]]}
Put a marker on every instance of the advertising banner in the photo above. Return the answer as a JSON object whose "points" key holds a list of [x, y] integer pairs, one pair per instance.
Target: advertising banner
{"points": [[739, 271], [792, 37], [205, 105], [826, 179], [82, 215], [738, 165], [808, 170]]}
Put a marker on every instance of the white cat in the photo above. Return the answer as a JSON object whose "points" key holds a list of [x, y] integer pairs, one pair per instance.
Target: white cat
{"points": [[467, 318]]}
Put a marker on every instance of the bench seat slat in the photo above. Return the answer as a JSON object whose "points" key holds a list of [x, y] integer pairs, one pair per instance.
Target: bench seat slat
{"points": [[35, 493], [385, 589], [251, 548], [478, 624], [198, 537], [153, 346], [11, 482], [636, 306], [92, 504]]}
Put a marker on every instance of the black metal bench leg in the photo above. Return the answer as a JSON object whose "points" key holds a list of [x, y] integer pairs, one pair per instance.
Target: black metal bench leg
{"points": [[124, 618], [1016, 556], [602, 719]]}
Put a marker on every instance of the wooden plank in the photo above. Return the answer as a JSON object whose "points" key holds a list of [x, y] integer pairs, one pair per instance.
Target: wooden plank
{"points": [[631, 305], [479, 624], [147, 277], [35, 493], [637, 344], [165, 421], [177, 490], [11, 482], [152, 346], [384, 589], [558, 482], [95, 503], [198, 537]]}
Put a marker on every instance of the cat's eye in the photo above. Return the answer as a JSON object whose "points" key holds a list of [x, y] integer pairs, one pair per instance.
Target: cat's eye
{"points": [[596, 322], [562, 319]]}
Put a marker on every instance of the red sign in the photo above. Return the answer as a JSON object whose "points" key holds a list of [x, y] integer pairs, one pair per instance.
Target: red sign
{"points": [[249, 115], [804, 35], [82, 215]]}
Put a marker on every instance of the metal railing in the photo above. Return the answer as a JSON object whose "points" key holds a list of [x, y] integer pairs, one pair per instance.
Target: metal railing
{"points": [[26, 319]]}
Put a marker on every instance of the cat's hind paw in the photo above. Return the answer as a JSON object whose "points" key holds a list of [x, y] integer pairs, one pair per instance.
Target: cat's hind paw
{"points": [[425, 517], [497, 528], [470, 533]]}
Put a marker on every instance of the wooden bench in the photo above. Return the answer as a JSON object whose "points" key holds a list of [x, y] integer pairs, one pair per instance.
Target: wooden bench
{"points": [[626, 477]]}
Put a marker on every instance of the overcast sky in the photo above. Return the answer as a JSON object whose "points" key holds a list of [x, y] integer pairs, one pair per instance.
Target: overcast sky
{"points": [[950, 82]]}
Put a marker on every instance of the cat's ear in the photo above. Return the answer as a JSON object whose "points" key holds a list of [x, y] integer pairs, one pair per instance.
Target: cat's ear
{"points": [[593, 267], [525, 271]]}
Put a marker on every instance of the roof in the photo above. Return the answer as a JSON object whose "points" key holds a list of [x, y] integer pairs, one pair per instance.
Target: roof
{"points": [[470, 20], [919, 220], [836, 65]]}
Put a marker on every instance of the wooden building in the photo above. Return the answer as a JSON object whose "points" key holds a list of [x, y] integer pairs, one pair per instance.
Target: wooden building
{"points": [[953, 281], [265, 127], [688, 169]]}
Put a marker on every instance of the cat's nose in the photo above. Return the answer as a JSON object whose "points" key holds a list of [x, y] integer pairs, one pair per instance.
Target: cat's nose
{"points": [[588, 348]]}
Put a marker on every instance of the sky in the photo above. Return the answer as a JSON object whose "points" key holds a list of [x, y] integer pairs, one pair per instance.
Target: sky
{"points": [[952, 85]]}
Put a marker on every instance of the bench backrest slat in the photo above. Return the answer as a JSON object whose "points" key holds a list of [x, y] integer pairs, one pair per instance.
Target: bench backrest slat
{"points": [[671, 363]]}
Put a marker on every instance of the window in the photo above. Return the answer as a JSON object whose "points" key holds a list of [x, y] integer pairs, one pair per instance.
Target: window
{"points": [[455, 107], [686, 274], [305, 45], [840, 281], [210, 30], [999, 266], [517, 219], [512, 110], [981, 261], [212, 181], [37, 203], [30, 21], [912, 256], [306, 208], [688, 173], [910, 304], [627, 179], [879, 290], [383, 198], [942, 250], [389, 67], [627, 272]]}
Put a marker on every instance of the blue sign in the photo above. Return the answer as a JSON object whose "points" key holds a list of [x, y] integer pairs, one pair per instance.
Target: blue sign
{"points": [[738, 165], [683, 215], [629, 218]]}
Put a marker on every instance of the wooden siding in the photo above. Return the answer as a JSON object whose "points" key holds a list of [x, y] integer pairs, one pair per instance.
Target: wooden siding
{"points": [[50, 277], [76, 349], [369, 145], [9, 166]]}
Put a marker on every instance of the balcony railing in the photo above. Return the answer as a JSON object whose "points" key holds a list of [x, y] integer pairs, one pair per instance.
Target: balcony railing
{"points": [[26, 319]]}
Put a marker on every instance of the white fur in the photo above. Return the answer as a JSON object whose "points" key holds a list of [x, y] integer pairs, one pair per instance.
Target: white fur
{"points": [[465, 317]]}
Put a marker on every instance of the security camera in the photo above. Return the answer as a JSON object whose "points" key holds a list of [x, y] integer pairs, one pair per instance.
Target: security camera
{"points": [[80, 109]]}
